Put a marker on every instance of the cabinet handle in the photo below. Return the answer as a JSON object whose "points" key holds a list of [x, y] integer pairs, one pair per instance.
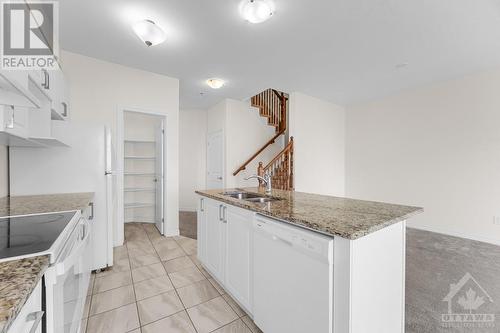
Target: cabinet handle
{"points": [[65, 109], [220, 212], [91, 217], [11, 122], [224, 212], [45, 82], [37, 317], [202, 208]]}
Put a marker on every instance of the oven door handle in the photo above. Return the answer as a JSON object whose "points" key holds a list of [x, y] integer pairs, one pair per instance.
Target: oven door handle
{"points": [[72, 258], [37, 317]]}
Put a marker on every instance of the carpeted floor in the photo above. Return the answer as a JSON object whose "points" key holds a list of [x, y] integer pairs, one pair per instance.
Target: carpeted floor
{"points": [[187, 224], [434, 262]]}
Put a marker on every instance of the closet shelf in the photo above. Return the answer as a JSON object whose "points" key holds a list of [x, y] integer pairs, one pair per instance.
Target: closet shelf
{"points": [[140, 158], [139, 174], [139, 141], [138, 205], [139, 189]]}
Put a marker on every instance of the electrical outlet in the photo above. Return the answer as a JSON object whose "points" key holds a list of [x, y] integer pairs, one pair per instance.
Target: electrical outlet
{"points": [[496, 220]]}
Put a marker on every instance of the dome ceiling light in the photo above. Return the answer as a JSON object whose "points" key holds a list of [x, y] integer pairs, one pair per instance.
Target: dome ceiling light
{"points": [[149, 32], [256, 11], [215, 83]]}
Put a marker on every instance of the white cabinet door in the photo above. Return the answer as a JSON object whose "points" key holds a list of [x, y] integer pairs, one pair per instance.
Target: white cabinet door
{"points": [[239, 255], [215, 238], [201, 230], [14, 87], [58, 95], [14, 120]]}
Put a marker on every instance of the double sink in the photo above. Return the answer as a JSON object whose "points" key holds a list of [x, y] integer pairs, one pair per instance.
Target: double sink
{"points": [[250, 197]]}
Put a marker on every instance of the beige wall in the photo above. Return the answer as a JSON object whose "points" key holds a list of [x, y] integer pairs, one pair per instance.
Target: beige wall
{"points": [[437, 147], [245, 131], [192, 156], [98, 89], [318, 129]]}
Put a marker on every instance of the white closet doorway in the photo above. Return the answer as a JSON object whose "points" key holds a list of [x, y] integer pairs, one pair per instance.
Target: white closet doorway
{"points": [[143, 168]]}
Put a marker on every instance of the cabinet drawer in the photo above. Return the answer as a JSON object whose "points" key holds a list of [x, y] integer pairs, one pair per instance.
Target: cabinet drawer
{"points": [[29, 318]]}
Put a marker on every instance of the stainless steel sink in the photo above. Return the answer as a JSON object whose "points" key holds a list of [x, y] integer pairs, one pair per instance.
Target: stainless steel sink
{"points": [[242, 195], [247, 196], [261, 199]]}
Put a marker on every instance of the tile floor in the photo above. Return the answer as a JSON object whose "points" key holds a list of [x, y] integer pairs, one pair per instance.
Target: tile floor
{"points": [[158, 286]]}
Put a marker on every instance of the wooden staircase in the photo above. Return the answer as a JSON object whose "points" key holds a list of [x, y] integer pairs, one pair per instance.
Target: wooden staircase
{"points": [[272, 104], [280, 168]]}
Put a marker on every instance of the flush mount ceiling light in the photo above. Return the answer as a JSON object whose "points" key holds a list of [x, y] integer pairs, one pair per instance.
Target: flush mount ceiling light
{"points": [[149, 32], [256, 11], [215, 83]]}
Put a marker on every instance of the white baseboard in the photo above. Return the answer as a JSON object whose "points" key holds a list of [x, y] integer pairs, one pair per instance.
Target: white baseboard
{"points": [[454, 233]]}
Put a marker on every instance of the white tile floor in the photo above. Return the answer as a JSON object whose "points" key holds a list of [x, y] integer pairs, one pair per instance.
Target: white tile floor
{"points": [[158, 286]]}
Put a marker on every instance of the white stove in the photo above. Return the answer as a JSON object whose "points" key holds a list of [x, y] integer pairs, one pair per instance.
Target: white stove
{"points": [[32, 235], [66, 238]]}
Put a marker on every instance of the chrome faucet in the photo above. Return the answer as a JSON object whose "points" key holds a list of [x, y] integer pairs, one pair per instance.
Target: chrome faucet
{"points": [[266, 179]]}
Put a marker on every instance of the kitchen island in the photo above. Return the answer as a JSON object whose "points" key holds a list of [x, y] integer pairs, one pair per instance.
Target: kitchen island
{"points": [[340, 261]]}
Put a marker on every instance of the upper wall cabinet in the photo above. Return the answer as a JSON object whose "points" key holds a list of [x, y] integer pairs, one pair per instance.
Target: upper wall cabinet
{"points": [[53, 85], [14, 127], [15, 89], [33, 107]]}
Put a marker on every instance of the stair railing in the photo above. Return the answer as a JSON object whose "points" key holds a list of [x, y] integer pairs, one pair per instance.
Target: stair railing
{"points": [[268, 143], [272, 105], [280, 169]]}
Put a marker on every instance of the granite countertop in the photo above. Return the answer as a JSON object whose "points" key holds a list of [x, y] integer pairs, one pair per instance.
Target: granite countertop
{"points": [[333, 216], [18, 279], [44, 203]]}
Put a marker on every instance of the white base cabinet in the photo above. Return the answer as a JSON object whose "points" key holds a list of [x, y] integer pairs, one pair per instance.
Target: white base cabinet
{"points": [[215, 236], [225, 247], [239, 255]]}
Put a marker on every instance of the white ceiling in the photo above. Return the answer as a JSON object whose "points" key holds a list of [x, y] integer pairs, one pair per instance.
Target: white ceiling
{"points": [[344, 51]]}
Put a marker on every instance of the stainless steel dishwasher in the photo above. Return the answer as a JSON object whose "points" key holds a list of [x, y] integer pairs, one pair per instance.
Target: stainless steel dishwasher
{"points": [[293, 278]]}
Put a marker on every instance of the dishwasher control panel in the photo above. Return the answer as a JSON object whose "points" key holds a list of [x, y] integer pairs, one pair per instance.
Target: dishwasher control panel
{"points": [[300, 238]]}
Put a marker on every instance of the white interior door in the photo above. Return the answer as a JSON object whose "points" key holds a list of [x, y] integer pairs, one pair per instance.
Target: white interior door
{"points": [[215, 160], [111, 184], [160, 179]]}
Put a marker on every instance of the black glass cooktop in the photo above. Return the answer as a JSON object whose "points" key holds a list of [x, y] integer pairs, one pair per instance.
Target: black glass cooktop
{"points": [[26, 235]]}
